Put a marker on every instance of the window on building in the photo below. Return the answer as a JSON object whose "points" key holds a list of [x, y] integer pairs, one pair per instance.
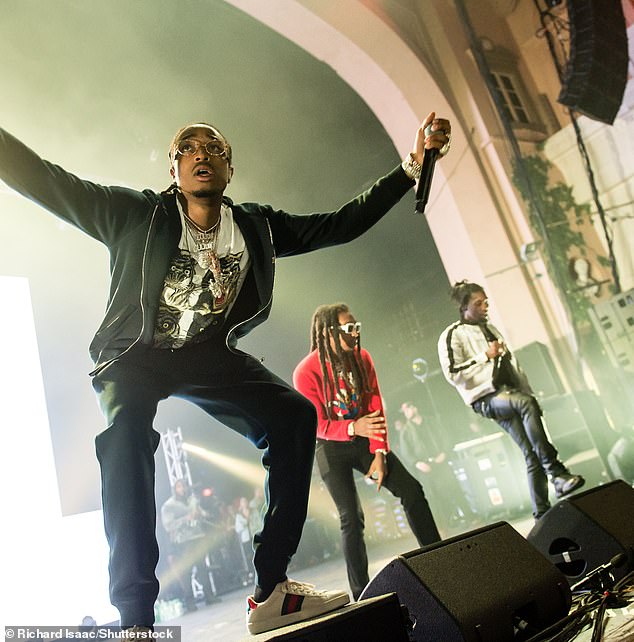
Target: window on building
{"points": [[512, 103]]}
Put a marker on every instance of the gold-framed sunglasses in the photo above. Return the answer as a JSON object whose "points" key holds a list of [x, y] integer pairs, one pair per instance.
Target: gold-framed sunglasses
{"points": [[190, 147]]}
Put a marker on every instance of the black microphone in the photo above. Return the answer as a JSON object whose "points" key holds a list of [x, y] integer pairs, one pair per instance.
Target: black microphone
{"points": [[602, 575], [424, 182]]}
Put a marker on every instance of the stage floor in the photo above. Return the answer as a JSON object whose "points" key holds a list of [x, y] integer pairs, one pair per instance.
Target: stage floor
{"points": [[225, 620]]}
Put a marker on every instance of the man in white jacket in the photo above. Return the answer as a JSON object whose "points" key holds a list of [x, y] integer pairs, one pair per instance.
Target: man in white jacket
{"points": [[476, 361]]}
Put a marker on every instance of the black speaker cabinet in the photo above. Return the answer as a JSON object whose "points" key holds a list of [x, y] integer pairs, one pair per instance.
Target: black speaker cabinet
{"points": [[538, 365], [587, 530], [479, 586], [489, 470], [580, 431], [380, 619], [594, 80]]}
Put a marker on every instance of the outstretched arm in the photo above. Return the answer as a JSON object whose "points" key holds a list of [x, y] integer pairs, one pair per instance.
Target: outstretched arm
{"points": [[295, 234], [102, 212]]}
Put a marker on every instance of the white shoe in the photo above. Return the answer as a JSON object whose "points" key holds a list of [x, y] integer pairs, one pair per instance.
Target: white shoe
{"points": [[291, 602]]}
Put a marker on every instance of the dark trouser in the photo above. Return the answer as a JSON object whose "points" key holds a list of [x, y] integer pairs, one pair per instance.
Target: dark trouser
{"points": [[336, 461], [240, 392], [519, 414], [186, 555]]}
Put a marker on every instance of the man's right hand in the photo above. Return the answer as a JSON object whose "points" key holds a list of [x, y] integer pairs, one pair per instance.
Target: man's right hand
{"points": [[496, 349], [371, 426]]}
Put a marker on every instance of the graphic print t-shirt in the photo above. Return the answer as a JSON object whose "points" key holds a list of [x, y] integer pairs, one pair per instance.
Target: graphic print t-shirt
{"points": [[187, 306], [346, 402]]}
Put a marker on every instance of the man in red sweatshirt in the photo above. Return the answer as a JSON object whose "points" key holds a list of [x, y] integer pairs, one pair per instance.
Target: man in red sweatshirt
{"points": [[338, 376]]}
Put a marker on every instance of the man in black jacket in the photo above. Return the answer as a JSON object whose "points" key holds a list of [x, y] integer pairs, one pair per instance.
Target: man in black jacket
{"points": [[191, 272]]}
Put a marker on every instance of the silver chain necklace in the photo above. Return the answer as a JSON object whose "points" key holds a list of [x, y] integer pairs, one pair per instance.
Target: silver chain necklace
{"points": [[205, 254]]}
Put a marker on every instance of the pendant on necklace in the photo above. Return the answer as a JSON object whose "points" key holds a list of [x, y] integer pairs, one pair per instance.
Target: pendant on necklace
{"points": [[208, 260], [217, 291]]}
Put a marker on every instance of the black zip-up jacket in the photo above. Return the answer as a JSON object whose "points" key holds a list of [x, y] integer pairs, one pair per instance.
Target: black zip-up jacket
{"points": [[142, 229]]}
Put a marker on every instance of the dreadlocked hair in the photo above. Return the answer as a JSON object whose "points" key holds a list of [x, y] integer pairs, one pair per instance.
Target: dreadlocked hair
{"points": [[324, 327], [461, 293]]}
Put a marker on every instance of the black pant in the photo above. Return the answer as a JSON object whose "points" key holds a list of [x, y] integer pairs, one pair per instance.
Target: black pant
{"points": [[185, 556], [336, 461], [240, 392], [520, 416]]}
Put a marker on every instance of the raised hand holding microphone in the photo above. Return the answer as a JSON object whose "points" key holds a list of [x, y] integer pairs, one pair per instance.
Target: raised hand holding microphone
{"points": [[432, 140]]}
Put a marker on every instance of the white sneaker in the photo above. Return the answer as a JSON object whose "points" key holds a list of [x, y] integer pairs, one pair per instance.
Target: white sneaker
{"points": [[291, 602]]}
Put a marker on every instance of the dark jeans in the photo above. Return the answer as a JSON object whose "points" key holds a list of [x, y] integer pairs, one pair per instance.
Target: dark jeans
{"points": [[336, 461], [520, 416], [185, 556], [240, 392]]}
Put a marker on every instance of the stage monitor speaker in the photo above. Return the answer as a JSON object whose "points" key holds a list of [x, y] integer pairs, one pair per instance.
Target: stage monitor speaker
{"points": [[538, 365], [376, 620], [488, 585], [594, 80], [580, 431], [487, 469], [584, 531]]}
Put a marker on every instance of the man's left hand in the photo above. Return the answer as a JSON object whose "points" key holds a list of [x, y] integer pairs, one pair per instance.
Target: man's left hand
{"points": [[378, 470], [439, 138]]}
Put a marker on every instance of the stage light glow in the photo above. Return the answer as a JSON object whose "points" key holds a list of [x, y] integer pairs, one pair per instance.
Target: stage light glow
{"points": [[239, 468], [321, 504]]}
